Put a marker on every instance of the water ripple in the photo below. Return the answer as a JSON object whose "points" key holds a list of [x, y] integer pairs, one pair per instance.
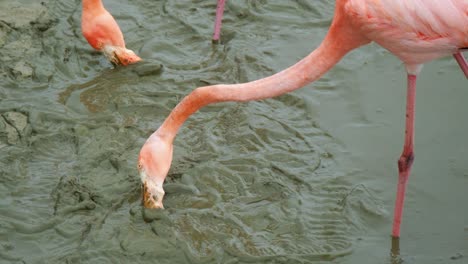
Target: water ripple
{"points": [[251, 182]]}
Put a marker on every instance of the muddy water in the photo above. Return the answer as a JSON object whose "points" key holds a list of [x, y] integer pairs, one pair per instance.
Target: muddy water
{"points": [[307, 177]]}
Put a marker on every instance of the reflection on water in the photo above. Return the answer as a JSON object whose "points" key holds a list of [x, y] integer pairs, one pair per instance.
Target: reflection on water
{"points": [[260, 182], [395, 251]]}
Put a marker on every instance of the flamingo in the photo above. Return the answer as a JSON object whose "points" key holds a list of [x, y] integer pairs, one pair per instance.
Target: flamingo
{"points": [[218, 20], [103, 33], [415, 31]]}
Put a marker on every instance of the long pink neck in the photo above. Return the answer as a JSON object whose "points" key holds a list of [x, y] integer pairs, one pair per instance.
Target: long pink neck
{"points": [[339, 41], [92, 5]]}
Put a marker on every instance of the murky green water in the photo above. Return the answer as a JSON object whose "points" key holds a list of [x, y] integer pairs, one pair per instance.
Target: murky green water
{"points": [[307, 177]]}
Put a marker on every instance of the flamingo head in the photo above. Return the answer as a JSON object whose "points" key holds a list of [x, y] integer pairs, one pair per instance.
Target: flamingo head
{"points": [[120, 56], [154, 162]]}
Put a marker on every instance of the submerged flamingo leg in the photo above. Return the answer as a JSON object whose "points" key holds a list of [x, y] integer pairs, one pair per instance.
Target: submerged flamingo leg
{"points": [[462, 62], [218, 20], [406, 159]]}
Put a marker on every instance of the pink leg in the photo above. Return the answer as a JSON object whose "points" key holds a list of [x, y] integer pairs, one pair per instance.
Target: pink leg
{"points": [[407, 157], [218, 20], [462, 62]]}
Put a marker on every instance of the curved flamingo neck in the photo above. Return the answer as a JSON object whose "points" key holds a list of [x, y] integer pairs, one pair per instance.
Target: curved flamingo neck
{"points": [[341, 39], [92, 5]]}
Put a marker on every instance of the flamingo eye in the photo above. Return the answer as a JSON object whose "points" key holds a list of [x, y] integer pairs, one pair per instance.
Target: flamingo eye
{"points": [[140, 166]]}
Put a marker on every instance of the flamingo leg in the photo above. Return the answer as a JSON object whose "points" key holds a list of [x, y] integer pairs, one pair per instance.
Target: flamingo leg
{"points": [[406, 159], [462, 62], [218, 20]]}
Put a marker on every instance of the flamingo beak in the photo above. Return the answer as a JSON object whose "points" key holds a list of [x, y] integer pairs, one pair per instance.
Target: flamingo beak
{"points": [[120, 56], [125, 57], [150, 200]]}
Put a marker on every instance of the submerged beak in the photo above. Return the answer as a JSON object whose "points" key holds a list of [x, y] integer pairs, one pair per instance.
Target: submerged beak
{"points": [[151, 200], [120, 56], [126, 57]]}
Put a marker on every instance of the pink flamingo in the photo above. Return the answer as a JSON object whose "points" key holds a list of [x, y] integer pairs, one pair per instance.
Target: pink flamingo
{"points": [[218, 20], [415, 31], [103, 33]]}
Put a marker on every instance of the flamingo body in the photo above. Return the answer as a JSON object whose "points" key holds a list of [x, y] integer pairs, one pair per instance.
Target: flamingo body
{"points": [[103, 33], [415, 31]]}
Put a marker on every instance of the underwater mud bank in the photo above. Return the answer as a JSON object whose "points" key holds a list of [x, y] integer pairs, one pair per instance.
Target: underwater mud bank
{"points": [[22, 28]]}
